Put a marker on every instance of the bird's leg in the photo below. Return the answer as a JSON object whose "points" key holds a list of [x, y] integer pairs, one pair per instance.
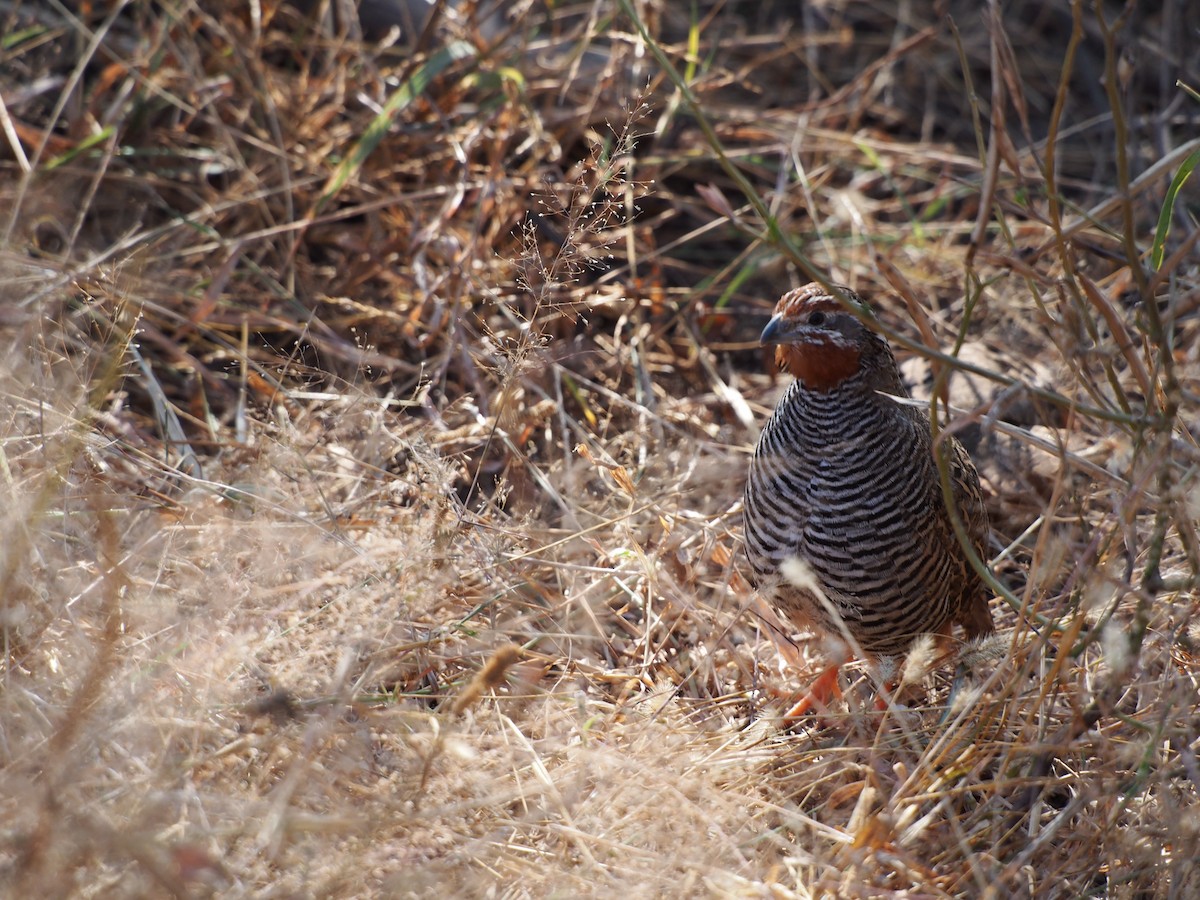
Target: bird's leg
{"points": [[819, 693], [947, 646], [886, 693], [891, 680]]}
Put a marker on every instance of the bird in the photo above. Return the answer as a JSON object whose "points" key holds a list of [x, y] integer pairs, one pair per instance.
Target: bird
{"points": [[845, 524]]}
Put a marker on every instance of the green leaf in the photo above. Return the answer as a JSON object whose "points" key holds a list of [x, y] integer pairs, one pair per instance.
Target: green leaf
{"points": [[16, 38], [693, 50], [400, 100], [86, 144], [1168, 209]]}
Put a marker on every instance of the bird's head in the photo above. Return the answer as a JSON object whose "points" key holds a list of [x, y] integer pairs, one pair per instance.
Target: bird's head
{"points": [[819, 341]]}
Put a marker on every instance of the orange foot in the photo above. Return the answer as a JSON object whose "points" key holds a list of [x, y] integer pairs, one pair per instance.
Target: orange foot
{"points": [[888, 692], [819, 694], [825, 688]]}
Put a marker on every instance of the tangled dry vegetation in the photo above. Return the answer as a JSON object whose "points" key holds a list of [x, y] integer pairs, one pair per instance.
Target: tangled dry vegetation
{"points": [[376, 414]]}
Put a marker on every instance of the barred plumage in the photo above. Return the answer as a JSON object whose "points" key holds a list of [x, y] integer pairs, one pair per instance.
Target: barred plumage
{"points": [[845, 479]]}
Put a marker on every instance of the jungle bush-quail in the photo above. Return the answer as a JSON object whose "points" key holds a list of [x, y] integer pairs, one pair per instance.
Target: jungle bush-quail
{"points": [[845, 480]]}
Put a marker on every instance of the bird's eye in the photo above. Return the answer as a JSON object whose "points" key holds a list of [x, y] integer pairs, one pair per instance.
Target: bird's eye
{"points": [[816, 318]]}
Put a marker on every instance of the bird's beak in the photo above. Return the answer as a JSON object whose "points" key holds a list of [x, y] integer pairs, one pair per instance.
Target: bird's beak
{"points": [[775, 332]]}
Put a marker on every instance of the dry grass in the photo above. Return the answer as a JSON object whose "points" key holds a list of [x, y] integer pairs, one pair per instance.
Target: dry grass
{"points": [[376, 417]]}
